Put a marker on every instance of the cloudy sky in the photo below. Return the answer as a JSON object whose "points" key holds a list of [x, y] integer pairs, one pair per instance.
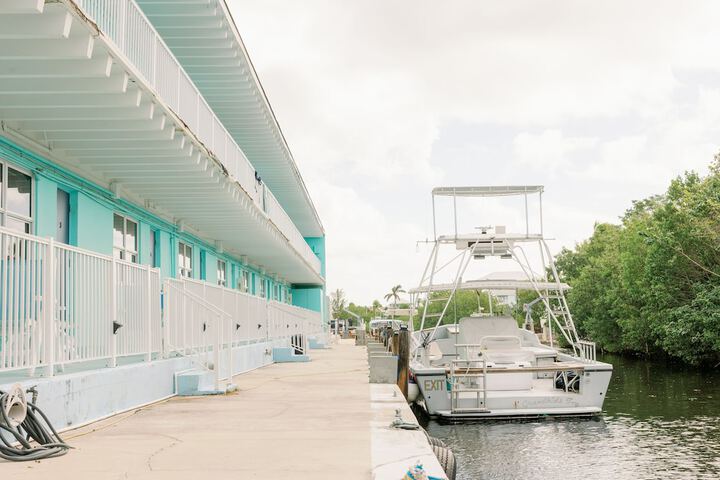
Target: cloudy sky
{"points": [[601, 102]]}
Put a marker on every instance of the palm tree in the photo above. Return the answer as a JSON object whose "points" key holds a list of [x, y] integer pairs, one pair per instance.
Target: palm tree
{"points": [[375, 307], [394, 295], [337, 305]]}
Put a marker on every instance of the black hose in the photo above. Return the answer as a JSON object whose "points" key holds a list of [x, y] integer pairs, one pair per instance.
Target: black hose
{"points": [[35, 428]]}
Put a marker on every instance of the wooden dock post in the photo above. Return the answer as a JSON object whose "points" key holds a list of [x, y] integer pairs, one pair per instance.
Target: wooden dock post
{"points": [[394, 343], [403, 353]]}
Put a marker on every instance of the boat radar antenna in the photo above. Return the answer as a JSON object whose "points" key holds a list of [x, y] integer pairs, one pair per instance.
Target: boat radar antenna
{"points": [[493, 242]]}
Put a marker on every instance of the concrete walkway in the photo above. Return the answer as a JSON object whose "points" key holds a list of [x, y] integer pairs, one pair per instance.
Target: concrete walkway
{"points": [[291, 420]]}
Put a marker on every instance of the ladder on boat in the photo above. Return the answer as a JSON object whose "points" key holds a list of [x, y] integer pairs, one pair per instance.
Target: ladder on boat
{"points": [[464, 379], [425, 295]]}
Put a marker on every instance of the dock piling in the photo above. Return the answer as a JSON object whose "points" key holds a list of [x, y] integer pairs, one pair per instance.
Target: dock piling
{"points": [[403, 353]]}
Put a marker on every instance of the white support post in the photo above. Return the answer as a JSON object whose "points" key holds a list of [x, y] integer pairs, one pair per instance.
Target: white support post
{"points": [[527, 218], [148, 310], [165, 319], [49, 309], [231, 331], [216, 355], [541, 215], [113, 313], [455, 212]]}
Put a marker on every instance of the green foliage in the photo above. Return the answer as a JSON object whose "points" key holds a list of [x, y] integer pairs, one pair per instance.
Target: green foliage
{"points": [[651, 284], [463, 304]]}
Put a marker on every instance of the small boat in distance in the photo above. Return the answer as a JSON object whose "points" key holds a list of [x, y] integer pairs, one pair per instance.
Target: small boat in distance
{"points": [[485, 365]]}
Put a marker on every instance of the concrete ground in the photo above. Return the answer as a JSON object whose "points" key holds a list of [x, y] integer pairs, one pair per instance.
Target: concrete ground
{"points": [[291, 420]]}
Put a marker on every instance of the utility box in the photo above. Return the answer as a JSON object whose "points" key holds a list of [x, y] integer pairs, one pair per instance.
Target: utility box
{"points": [[383, 368]]}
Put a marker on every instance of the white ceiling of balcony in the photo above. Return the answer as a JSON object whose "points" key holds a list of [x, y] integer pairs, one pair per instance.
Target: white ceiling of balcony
{"points": [[66, 90], [204, 38]]}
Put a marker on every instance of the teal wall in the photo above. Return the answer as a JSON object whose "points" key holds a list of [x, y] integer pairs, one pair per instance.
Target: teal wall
{"points": [[312, 298], [91, 221], [46, 217], [91, 224], [317, 244], [307, 297]]}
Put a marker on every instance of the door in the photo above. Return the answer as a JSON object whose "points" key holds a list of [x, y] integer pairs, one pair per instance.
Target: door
{"points": [[153, 247], [63, 217]]}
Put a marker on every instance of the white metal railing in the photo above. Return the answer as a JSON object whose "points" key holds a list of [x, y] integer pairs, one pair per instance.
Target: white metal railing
{"points": [[192, 308], [194, 326], [125, 24], [61, 305], [587, 350]]}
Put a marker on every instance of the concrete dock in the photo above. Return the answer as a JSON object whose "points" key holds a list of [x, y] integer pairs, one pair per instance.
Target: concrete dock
{"points": [[311, 420]]}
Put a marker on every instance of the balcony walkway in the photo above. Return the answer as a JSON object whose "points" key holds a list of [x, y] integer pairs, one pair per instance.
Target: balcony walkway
{"points": [[291, 420]]}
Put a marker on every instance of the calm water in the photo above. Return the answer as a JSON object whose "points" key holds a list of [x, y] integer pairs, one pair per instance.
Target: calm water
{"points": [[660, 421]]}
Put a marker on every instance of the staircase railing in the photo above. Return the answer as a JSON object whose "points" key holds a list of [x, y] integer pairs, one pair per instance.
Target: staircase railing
{"points": [[195, 328]]}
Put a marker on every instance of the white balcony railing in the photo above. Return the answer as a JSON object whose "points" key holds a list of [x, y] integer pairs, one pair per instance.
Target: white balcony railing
{"points": [[133, 34], [63, 305]]}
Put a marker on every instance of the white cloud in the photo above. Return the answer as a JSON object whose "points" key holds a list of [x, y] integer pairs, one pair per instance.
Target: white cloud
{"points": [[602, 102], [549, 149]]}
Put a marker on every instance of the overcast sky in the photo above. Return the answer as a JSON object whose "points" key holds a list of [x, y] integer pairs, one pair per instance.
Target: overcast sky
{"points": [[601, 102]]}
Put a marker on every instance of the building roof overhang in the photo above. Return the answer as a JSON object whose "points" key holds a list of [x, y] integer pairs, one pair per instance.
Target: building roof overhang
{"points": [[69, 94], [204, 38]]}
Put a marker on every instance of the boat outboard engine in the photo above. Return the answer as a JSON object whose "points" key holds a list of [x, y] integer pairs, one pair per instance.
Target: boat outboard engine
{"points": [[568, 381]]}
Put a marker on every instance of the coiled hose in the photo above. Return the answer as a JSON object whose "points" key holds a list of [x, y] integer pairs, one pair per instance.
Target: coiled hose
{"points": [[35, 428]]}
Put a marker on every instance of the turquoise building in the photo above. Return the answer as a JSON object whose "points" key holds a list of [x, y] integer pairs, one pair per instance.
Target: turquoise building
{"points": [[150, 207]]}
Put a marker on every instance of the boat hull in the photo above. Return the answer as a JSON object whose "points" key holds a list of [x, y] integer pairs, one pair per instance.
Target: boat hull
{"points": [[505, 399]]}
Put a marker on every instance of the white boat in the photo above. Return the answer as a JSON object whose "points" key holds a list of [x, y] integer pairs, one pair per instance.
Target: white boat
{"points": [[486, 365]]}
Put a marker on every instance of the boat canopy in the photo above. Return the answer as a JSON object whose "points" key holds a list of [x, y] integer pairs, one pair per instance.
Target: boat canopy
{"points": [[487, 191], [492, 284]]}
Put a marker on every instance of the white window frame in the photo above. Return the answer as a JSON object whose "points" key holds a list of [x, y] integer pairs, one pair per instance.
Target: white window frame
{"points": [[182, 269], [4, 212], [125, 253], [262, 292], [221, 279], [244, 281]]}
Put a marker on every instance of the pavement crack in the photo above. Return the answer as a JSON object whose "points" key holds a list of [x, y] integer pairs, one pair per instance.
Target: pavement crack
{"points": [[174, 442]]}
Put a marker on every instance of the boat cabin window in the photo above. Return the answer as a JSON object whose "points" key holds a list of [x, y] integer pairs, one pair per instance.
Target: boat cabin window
{"points": [[16, 197]]}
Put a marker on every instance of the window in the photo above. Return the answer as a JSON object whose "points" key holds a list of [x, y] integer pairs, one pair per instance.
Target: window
{"points": [[125, 238], [262, 287], [185, 260], [16, 196], [244, 281], [221, 273]]}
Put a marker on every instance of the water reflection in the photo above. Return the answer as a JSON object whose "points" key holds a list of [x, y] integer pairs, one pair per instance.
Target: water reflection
{"points": [[661, 421]]}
